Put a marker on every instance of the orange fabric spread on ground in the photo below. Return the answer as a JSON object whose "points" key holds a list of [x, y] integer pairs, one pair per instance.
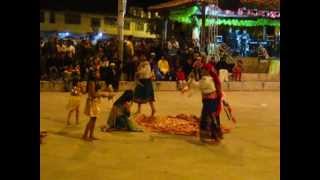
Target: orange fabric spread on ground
{"points": [[180, 125]]}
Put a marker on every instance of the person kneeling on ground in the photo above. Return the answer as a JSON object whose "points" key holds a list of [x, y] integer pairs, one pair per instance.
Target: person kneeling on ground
{"points": [[120, 113]]}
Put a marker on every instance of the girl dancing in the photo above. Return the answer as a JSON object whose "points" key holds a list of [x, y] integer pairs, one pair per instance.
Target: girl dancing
{"points": [[144, 92]]}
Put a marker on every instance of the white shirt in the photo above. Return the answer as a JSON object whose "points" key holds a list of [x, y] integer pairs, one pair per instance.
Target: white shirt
{"points": [[175, 45], [61, 48], [206, 85], [71, 51], [144, 70]]}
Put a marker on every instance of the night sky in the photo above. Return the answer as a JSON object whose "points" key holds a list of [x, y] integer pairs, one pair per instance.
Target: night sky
{"points": [[110, 6]]}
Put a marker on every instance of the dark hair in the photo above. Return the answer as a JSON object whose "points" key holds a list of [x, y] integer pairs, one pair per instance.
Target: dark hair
{"points": [[92, 74], [125, 97], [75, 82]]}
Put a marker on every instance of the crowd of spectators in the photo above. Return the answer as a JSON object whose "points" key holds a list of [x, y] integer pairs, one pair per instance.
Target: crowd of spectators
{"points": [[70, 59]]}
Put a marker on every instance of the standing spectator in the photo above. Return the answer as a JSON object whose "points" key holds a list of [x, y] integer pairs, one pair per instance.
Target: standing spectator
{"points": [[61, 54], [130, 47], [237, 71], [116, 69], [50, 52], [103, 69], [164, 67], [76, 74], [187, 68], [130, 64], [110, 76], [43, 61], [173, 47], [197, 65], [100, 53], [67, 78], [70, 53], [184, 56]]}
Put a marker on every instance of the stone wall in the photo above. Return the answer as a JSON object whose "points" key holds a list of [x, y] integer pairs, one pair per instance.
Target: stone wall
{"points": [[251, 82]]}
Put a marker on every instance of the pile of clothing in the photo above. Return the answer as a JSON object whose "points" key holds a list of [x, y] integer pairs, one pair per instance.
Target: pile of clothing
{"points": [[180, 125]]}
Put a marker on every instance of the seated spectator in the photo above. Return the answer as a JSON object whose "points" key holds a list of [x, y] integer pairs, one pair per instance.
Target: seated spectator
{"points": [[164, 67], [187, 68], [157, 73], [53, 73], [172, 75], [110, 75], [237, 71], [181, 78], [262, 53]]}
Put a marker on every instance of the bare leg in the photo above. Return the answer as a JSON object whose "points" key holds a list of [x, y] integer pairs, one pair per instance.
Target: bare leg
{"points": [[153, 110], [86, 131], [139, 108], [93, 120], [77, 115], [69, 116]]}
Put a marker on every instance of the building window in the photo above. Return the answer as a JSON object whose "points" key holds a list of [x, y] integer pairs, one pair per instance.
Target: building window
{"points": [[71, 18], [139, 26], [127, 25], [41, 17], [95, 22], [142, 15], [110, 21], [52, 18]]}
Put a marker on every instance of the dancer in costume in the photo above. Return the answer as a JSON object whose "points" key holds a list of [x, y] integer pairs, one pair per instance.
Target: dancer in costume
{"points": [[74, 102], [144, 92], [210, 130], [120, 113], [220, 95]]}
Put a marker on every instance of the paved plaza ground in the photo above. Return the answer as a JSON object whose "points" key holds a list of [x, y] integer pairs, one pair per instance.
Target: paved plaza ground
{"points": [[250, 152]]}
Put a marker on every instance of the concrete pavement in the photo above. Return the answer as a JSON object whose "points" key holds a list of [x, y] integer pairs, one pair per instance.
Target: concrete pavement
{"points": [[250, 152]]}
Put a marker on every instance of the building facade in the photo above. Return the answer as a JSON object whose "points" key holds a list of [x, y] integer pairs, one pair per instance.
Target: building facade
{"points": [[136, 23]]}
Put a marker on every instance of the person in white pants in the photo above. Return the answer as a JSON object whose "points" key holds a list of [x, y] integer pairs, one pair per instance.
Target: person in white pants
{"points": [[224, 75]]}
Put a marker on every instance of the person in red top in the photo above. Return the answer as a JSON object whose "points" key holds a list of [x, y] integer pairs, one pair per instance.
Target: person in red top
{"points": [[181, 78], [197, 65], [237, 71]]}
